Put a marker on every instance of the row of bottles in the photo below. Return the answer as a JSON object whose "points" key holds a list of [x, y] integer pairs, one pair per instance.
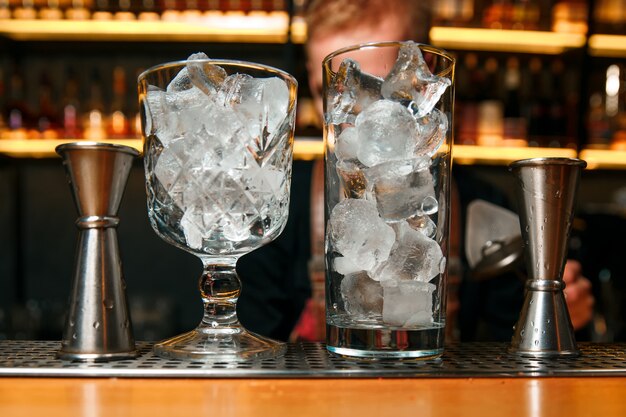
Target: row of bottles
{"points": [[67, 107], [569, 16], [606, 122], [131, 10], [516, 101]]}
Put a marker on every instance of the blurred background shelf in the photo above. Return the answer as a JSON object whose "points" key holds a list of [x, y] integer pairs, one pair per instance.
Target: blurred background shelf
{"points": [[499, 40], [604, 158], [613, 46], [236, 28], [306, 149], [245, 28]]}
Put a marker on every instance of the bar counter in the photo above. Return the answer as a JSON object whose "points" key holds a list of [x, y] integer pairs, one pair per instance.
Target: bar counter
{"points": [[573, 396]]}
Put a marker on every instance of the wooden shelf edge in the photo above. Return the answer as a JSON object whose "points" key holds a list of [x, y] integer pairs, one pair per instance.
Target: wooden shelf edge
{"points": [[609, 46], [305, 149], [156, 31], [310, 148], [504, 155], [604, 158], [497, 40], [241, 28]]}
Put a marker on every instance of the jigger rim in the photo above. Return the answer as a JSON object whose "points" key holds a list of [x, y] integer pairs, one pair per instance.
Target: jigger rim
{"points": [[96, 146], [548, 161]]}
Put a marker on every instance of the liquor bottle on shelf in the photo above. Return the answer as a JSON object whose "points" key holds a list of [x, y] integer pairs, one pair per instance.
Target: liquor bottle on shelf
{"points": [[148, 11], [17, 113], [93, 124], [570, 16], [71, 107], [124, 11], [78, 11], [453, 12], [26, 10], [51, 11], [515, 133], [598, 129], [490, 108], [117, 123], [470, 79], [170, 11], [136, 131], [103, 10], [3, 125], [191, 10], [610, 17], [615, 104], [535, 110], [5, 10], [47, 119], [214, 5]]}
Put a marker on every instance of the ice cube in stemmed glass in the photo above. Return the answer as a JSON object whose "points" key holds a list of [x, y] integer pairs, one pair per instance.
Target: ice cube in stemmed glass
{"points": [[218, 155]]}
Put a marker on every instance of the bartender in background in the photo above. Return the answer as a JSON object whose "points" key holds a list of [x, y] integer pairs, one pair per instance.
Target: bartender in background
{"points": [[485, 310]]}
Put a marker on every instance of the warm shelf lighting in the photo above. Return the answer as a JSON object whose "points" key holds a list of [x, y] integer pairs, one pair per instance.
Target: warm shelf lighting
{"points": [[613, 46], [205, 29], [304, 149], [308, 149], [604, 158], [497, 40], [503, 155]]}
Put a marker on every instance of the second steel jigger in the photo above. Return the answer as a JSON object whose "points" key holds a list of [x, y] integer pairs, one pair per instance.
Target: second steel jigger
{"points": [[546, 192], [98, 323]]}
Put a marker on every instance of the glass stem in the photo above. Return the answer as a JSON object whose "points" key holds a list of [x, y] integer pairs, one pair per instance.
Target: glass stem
{"points": [[220, 287]]}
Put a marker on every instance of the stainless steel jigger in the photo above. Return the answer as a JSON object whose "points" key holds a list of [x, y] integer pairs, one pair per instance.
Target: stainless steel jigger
{"points": [[546, 194], [98, 323]]}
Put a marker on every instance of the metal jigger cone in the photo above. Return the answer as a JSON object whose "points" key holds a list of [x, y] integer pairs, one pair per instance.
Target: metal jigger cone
{"points": [[546, 194], [98, 322]]}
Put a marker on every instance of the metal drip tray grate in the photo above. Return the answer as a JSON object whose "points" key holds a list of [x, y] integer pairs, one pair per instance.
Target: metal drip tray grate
{"points": [[311, 360]]}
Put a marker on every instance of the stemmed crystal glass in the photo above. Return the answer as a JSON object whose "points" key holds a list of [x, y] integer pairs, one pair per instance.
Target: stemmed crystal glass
{"points": [[218, 154]]}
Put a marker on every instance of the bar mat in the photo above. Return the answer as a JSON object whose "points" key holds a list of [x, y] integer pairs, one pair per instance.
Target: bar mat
{"points": [[311, 360]]}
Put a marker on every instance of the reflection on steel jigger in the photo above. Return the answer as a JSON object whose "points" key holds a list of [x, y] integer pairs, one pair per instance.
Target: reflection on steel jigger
{"points": [[98, 323], [546, 194]]}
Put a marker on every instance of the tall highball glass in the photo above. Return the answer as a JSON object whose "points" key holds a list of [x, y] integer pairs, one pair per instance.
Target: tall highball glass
{"points": [[388, 110], [218, 157]]}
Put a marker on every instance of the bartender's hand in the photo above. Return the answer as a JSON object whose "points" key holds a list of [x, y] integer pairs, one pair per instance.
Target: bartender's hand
{"points": [[578, 294]]}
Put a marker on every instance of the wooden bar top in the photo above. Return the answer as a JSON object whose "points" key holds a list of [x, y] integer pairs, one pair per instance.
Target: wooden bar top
{"points": [[484, 397]]}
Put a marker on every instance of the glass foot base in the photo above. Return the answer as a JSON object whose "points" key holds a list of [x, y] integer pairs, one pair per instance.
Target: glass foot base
{"points": [[219, 345], [385, 343]]}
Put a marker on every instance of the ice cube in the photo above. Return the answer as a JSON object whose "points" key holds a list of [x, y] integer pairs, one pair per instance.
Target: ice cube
{"points": [[205, 76], [352, 178], [181, 82], [414, 257], [407, 303], [262, 103], [432, 130], [410, 80], [424, 224], [347, 144], [362, 296], [344, 266], [350, 92], [191, 229], [265, 180], [197, 226], [359, 234], [402, 190], [387, 132]]}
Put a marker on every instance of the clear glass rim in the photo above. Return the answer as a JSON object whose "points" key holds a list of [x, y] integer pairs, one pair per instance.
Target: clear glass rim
{"points": [[373, 45], [222, 62]]}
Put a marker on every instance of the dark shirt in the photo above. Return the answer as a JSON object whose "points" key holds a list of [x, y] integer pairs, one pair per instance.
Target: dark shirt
{"points": [[274, 278]]}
